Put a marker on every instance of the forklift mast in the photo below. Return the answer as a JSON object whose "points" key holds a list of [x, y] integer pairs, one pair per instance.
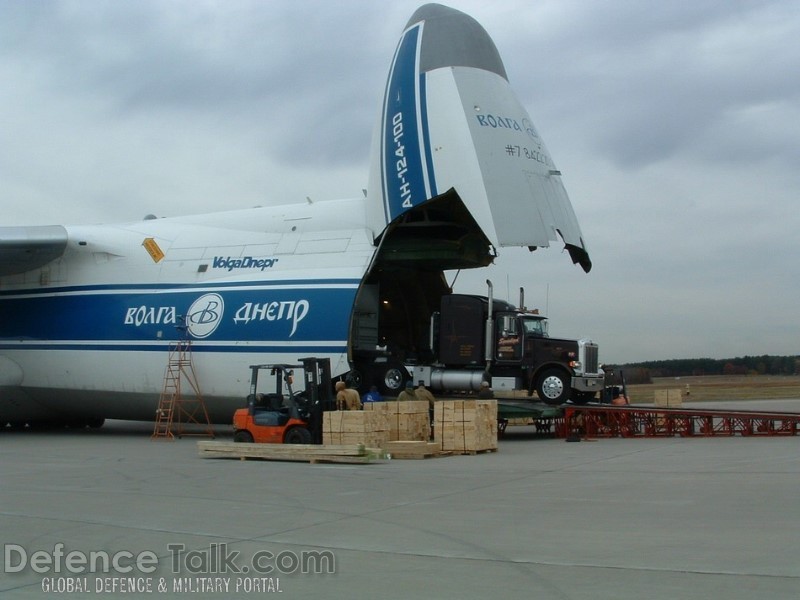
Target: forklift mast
{"points": [[317, 375]]}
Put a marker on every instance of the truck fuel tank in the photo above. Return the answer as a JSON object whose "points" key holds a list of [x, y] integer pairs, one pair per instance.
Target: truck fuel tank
{"points": [[450, 379]]}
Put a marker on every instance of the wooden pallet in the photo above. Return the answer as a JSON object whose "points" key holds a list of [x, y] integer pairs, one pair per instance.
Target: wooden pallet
{"points": [[474, 452], [311, 453], [408, 449]]}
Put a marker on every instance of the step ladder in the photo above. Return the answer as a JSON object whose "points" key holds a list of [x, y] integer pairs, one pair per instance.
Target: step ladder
{"points": [[175, 410]]}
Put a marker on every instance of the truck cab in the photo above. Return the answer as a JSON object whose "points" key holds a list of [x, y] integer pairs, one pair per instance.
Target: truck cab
{"points": [[479, 338], [556, 369], [512, 332]]}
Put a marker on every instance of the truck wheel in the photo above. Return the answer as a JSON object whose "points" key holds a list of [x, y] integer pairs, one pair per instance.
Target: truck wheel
{"points": [[393, 380], [553, 387], [297, 435], [243, 437], [355, 379]]}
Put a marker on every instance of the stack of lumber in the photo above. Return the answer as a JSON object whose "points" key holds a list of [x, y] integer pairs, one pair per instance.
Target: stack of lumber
{"points": [[312, 453], [465, 426], [370, 428], [669, 398], [522, 421], [407, 420]]}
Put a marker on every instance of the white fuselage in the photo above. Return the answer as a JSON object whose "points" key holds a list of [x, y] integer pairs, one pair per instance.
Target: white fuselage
{"points": [[253, 286]]}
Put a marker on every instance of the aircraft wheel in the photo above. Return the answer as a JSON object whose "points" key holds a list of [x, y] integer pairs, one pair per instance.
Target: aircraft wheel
{"points": [[297, 435], [243, 437], [553, 387]]}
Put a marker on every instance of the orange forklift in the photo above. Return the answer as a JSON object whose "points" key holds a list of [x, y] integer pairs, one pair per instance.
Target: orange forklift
{"points": [[285, 416]]}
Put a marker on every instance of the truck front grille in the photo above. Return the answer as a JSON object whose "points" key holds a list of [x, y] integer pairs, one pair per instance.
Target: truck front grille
{"points": [[590, 356]]}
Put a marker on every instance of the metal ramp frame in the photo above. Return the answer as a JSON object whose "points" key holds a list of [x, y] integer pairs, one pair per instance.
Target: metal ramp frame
{"points": [[175, 411], [639, 422]]}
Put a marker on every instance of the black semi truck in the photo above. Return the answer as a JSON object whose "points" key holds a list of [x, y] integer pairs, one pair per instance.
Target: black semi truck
{"points": [[471, 339]]}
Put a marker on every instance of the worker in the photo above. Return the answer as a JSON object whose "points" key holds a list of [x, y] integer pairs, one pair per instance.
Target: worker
{"points": [[407, 394], [485, 392], [423, 393], [346, 398], [373, 395], [618, 397]]}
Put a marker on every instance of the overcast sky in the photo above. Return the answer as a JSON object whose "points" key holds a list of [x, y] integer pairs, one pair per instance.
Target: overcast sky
{"points": [[676, 126]]}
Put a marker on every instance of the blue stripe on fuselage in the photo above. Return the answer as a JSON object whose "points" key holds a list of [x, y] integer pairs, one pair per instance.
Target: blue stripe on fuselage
{"points": [[302, 312], [307, 349]]}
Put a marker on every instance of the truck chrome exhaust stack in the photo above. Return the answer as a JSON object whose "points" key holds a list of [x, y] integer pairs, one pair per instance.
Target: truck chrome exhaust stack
{"points": [[489, 327]]}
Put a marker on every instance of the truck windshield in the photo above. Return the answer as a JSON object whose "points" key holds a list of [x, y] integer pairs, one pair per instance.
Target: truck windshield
{"points": [[535, 326]]}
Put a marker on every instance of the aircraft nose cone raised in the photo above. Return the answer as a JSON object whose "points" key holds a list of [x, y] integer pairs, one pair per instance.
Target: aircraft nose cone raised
{"points": [[454, 39]]}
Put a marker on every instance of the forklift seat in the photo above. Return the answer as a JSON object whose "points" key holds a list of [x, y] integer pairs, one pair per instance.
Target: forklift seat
{"points": [[271, 418], [276, 401]]}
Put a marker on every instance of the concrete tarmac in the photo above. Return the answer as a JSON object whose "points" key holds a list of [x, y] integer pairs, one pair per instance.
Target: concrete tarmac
{"points": [[542, 519]]}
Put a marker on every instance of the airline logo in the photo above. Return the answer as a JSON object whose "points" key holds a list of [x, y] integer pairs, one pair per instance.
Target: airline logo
{"points": [[246, 262], [204, 315], [500, 122], [294, 311]]}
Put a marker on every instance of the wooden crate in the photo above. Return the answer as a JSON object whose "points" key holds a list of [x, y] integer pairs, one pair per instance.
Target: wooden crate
{"points": [[670, 398], [465, 426], [408, 421], [355, 427]]}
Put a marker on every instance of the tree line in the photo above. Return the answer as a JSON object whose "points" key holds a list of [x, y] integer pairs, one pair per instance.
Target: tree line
{"points": [[643, 372]]}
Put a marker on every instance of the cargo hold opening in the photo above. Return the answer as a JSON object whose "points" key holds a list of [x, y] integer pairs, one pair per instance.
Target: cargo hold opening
{"points": [[405, 284]]}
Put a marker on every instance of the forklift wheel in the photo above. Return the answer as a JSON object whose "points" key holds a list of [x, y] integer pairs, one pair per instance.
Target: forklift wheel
{"points": [[297, 435], [243, 437]]}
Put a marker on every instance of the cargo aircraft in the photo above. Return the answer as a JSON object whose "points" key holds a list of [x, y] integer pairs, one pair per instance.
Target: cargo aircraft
{"points": [[458, 170]]}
